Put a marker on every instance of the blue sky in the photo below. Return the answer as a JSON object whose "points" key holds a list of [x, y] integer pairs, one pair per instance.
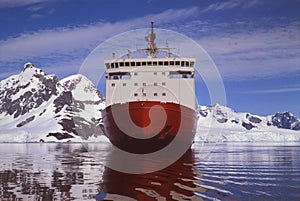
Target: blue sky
{"points": [[255, 44]]}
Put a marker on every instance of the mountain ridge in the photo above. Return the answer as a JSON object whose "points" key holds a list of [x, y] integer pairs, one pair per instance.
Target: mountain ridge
{"points": [[36, 107], [223, 114], [220, 123]]}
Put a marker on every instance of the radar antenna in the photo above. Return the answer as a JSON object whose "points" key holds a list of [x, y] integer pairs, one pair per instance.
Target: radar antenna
{"points": [[152, 49], [128, 53]]}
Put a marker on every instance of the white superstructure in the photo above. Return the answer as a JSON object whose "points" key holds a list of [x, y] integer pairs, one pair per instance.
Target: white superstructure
{"points": [[150, 79], [167, 79]]}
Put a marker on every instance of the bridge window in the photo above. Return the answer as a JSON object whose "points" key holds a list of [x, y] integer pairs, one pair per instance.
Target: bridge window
{"points": [[164, 94], [180, 74], [113, 84], [138, 63], [135, 84], [160, 63], [177, 63], [155, 94], [119, 76], [186, 64], [135, 94], [124, 84], [121, 64], [125, 76], [132, 63]]}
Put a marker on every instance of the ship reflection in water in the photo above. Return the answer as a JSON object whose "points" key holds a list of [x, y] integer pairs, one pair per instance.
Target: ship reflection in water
{"points": [[176, 182], [70, 172]]}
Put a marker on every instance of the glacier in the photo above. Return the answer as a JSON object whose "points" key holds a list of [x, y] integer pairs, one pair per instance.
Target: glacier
{"points": [[219, 123]]}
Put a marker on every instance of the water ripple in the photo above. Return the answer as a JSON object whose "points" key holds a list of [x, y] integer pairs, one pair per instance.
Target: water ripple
{"points": [[70, 172]]}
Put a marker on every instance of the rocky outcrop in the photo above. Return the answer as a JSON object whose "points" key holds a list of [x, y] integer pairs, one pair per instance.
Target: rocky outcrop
{"points": [[285, 120], [228, 118], [19, 94], [248, 126], [60, 110]]}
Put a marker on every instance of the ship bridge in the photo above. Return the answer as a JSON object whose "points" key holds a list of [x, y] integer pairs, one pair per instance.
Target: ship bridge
{"points": [[125, 68], [165, 79]]}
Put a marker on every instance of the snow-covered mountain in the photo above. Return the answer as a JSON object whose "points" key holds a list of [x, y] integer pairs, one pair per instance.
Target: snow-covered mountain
{"points": [[220, 123], [38, 107]]}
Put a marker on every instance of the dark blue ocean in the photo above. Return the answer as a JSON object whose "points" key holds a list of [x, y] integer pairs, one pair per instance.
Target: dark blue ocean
{"points": [[231, 171]]}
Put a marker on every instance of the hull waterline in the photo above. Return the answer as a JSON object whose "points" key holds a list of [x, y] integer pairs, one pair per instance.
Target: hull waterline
{"points": [[148, 126]]}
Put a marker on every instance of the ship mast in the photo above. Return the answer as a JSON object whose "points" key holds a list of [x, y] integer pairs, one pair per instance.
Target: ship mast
{"points": [[151, 49]]}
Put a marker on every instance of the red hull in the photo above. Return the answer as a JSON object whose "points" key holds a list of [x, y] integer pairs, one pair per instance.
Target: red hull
{"points": [[148, 126]]}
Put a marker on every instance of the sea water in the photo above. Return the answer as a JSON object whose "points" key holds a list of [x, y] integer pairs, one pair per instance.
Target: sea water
{"points": [[230, 171]]}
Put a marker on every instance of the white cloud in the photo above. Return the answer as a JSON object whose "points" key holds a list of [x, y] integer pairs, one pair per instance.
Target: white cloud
{"points": [[249, 4], [256, 53], [66, 40], [34, 8], [248, 49], [223, 5], [239, 52], [271, 91], [36, 16], [227, 5], [56, 46], [18, 3]]}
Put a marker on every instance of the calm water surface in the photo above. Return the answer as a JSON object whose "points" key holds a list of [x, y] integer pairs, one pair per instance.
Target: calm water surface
{"points": [[232, 171]]}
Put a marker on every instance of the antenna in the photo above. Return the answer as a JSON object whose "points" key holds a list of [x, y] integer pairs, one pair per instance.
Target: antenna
{"points": [[169, 54], [151, 44], [151, 49], [128, 53], [152, 27]]}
